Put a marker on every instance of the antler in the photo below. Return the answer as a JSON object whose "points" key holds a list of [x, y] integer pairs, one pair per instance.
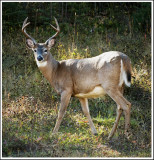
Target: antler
{"points": [[24, 30], [57, 29]]}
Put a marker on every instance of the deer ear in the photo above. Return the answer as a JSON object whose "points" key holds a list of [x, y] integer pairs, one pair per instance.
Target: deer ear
{"points": [[50, 43], [30, 44]]}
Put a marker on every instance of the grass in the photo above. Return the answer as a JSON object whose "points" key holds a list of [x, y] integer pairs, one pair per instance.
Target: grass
{"points": [[30, 105], [28, 125]]}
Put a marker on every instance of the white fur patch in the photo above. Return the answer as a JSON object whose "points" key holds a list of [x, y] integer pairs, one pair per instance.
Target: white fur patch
{"points": [[125, 80], [41, 64], [96, 92], [123, 76]]}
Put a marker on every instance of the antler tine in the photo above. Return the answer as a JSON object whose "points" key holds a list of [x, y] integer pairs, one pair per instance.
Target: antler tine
{"points": [[53, 27], [25, 21], [57, 29], [24, 30], [24, 26]]}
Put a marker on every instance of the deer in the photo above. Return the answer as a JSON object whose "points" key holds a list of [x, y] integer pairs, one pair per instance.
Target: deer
{"points": [[84, 78]]}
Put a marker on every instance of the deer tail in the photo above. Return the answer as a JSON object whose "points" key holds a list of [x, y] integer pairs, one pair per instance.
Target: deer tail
{"points": [[125, 72]]}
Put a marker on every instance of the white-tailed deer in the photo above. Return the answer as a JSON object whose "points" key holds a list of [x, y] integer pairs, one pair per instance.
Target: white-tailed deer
{"points": [[84, 78]]}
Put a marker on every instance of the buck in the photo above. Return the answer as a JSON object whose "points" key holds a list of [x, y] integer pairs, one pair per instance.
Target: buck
{"points": [[84, 78]]}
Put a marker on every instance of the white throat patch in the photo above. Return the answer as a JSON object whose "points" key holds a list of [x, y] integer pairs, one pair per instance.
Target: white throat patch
{"points": [[41, 64]]}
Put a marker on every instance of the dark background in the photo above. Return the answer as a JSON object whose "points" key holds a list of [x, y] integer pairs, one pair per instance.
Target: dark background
{"points": [[131, 17]]}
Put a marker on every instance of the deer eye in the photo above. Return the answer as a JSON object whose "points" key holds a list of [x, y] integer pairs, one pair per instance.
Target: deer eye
{"points": [[45, 50], [34, 50]]}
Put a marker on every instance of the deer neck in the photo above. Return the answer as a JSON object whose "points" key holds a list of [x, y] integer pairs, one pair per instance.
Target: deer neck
{"points": [[48, 68]]}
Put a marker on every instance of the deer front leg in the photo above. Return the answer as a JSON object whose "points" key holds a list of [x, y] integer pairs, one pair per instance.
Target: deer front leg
{"points": [[65, 98], [85, 108]]}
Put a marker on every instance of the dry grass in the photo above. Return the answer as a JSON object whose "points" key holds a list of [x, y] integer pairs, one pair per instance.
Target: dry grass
{"points": [[30, 105]]}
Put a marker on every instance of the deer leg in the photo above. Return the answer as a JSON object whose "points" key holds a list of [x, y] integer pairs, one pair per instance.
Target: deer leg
{"points": [[124, 105], [65, 98], [127, 117], [85, 108], [126, 108], [119, 111]]}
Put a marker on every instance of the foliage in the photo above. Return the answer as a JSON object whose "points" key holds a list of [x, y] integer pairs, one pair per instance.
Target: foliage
{"points": [[30, 105], [120, 17]]}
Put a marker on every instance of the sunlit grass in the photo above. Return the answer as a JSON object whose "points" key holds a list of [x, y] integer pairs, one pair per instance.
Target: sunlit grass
{"points": [[30, 105], [31, 124], [28, 125]]}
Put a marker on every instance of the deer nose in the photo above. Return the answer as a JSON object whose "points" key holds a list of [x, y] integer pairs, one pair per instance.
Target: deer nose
{"points": [[39, 58]]}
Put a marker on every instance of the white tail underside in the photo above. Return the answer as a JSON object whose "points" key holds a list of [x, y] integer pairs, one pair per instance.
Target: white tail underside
{"points": [[123, 76]]}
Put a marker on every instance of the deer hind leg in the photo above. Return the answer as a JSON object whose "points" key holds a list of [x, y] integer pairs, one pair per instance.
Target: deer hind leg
{"points": [[119, 111], [123, 105], [85, 108], [65, 98]]}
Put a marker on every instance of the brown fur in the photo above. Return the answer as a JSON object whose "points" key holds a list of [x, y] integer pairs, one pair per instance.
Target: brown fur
{"points": [[75, 76]]}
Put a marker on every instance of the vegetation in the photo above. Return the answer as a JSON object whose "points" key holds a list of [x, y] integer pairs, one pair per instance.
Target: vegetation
{"points": [[30, 105]]}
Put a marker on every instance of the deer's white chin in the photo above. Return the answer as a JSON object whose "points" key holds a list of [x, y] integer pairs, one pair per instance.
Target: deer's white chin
{"points": [[41, 63]]}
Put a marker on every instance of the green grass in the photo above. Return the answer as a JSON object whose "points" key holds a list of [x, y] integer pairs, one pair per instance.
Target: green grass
{"points": [[30, 105], [28, 125]]}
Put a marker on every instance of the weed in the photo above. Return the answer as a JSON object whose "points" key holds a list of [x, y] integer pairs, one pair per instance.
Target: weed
{"points": [[30, 105]]}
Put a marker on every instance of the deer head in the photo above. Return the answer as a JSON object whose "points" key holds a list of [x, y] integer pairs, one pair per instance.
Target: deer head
{"points": [[41, 50]]}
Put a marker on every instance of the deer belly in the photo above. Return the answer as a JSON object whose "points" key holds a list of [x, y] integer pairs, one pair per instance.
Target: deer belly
{"points": [[95, 93]]}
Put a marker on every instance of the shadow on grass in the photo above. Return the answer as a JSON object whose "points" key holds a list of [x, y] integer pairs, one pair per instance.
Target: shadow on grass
{"points": [[13, 145], [130, 147]]}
